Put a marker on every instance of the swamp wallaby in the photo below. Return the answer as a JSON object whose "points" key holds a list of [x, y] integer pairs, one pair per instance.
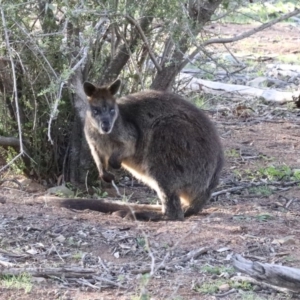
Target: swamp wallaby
{"points": [[161, 139]]}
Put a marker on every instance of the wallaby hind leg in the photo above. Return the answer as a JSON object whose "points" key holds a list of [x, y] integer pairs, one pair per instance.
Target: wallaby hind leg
{"points": [[196, 205], [171, 206]]}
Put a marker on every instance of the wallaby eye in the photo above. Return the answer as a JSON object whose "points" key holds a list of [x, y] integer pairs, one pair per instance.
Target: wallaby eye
{"points": [[112, 111], [95, 111]]}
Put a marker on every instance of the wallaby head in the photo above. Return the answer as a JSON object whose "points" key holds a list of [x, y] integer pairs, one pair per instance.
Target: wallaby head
{"points": [[103, 109]]}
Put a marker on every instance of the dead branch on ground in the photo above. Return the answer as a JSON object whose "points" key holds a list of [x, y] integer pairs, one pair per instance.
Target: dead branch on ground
{"points": [[254, 184], [272, 274]]}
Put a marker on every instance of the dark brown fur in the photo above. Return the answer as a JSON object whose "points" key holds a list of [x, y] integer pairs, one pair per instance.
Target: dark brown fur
{"points": [[160, 138]]}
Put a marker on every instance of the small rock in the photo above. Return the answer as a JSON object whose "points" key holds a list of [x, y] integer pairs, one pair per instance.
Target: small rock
{"points": [[38, 279], [256, 288], [60, 238], [229, 58], [288, 240], [224, 287], [224, 249], [32, 251], [61, 190], [116, 254], [82, 234], [258, 82]]}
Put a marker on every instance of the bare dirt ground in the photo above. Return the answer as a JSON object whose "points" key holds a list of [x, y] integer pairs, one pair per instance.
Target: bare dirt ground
{"points": [[89, 255]]}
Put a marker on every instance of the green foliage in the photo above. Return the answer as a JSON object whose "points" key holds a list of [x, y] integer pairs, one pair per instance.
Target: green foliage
{"points": [[264, 217], [270, 173], [77, 256], [283, 172], [20, 282], [232, 153], [212, 287], [207, 288], [244, 285], [251, 296], [217, 270], [99, 193], [260, 218], [290, 258], [143, 282], [199, 102], [261, 11], [261, 191], [242, 218], [18, 165], [141, 242]]}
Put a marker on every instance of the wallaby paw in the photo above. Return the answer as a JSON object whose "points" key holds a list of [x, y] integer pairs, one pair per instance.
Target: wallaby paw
{"points": [[107, 177]]}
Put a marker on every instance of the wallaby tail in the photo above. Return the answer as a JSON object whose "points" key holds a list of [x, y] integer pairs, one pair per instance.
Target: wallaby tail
{"points": [[145, 212]]}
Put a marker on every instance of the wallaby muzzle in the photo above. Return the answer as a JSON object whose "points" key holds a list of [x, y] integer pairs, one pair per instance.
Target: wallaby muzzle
{"points": [[106, 127]]}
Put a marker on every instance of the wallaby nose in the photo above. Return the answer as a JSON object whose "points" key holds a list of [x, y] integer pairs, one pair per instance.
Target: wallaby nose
{"points": [[105, 126]]}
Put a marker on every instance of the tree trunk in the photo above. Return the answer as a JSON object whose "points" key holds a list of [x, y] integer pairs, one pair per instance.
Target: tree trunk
{"points": [[165, 78], [122, 56], [79, 157]]}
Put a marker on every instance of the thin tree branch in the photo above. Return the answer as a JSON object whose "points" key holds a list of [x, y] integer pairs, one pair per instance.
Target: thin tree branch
{"points": [[55, 106], [138, 27], [53, 114], [239, 37], [37, 48], [131, 59], [15, 92], [11, 162]]}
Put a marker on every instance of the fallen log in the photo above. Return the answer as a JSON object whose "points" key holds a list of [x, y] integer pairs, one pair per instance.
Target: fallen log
{"points": [[281, 276], [219, 88]]}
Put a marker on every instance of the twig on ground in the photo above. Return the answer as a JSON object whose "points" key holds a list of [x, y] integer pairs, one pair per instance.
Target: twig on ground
{"points": [[6, 264], [109, 281], [289, 203], [163, 265], [226, 294], [85, 282], [74, 272], [254, 184], [14, 181], [116, 188], [260, 283]]}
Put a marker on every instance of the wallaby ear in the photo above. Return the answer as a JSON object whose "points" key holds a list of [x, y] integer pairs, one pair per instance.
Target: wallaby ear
{"points": [[114, 87], [89, 88]]}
